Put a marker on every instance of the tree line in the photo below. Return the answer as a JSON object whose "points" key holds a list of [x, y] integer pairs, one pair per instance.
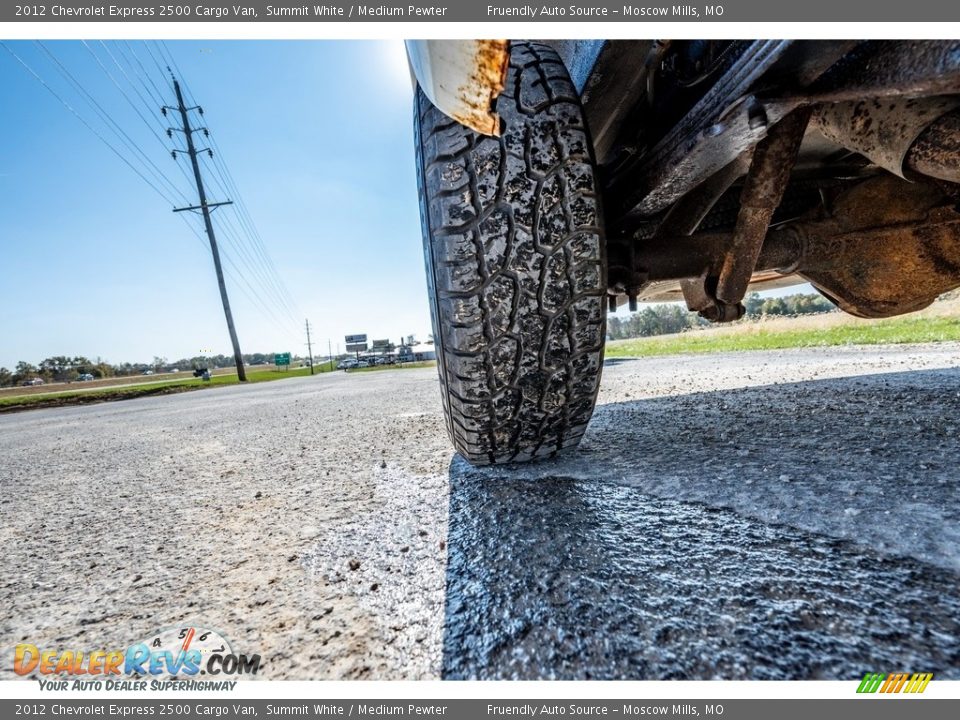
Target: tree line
{"points": [[65, 368], [652, 320], [669, 319]]}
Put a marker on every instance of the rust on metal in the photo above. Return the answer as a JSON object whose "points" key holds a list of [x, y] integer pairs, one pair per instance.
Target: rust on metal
{"points": [[890, 247], [936, 153], [881, 129], [773, 160], [682, 219], [884, 247], [479, 93]]}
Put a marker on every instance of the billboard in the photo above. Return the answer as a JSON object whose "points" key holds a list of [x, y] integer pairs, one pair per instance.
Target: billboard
{"points": [[381, 344], [356, 339]]}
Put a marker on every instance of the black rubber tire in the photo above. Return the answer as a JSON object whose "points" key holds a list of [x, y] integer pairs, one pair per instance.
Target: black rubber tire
{"points": [[515, 260]]}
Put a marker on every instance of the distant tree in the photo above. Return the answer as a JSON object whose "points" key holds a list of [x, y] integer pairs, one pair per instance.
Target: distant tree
{"points": [[24, 371], [615, 327], [753, 303], [774, 306], [798, 304], [807, 303], [83, 365], [6, 377], [56, 367], [102, 370], [666, 319]]}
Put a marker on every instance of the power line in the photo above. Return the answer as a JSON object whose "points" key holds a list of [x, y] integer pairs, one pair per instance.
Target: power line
{"points": [[247, 221], [236, 235], [243, 284], [244, 213], [90, 127], [224, 224], [111, 124], [230, 185], [159, 96], [269, 281], [133, 105], [163, 184], [150, 107]]}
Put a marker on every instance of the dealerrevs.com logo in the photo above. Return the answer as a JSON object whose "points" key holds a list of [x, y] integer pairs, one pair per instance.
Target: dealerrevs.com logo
{"points": [[171, 659], [889, 683]]}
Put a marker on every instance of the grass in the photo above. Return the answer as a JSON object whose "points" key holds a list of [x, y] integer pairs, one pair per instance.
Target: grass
{"points": [[828, 330], [11, 403]]}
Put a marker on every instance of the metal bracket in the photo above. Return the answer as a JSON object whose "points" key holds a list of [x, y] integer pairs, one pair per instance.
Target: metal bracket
{"points": [[210, 206]]}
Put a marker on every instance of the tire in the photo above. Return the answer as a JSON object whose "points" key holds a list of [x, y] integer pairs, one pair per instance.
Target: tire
{"points": [[515, 260]]}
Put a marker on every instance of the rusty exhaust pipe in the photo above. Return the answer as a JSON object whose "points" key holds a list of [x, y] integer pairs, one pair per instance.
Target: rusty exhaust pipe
{"points": [[936, 153]]}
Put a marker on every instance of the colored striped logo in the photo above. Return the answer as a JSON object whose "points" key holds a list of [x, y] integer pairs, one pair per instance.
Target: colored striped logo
{"points": [[895, 682]]}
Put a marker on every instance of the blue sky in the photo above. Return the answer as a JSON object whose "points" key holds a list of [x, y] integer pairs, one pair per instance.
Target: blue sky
{"points": [[318, 138]]}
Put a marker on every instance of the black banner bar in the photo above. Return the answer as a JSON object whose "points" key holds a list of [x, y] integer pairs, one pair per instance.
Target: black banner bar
{"points": [[185, 708], [642, 11]]}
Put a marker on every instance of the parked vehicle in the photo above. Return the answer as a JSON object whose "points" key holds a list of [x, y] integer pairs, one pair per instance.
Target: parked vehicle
{"points": [[85, 377], [558, 179], [31, 382]]}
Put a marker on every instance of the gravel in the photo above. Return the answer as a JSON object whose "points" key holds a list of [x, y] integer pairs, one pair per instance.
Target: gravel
{"points": [[778, 515]]}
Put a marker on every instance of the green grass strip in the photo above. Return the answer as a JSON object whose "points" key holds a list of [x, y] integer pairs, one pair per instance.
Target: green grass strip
{"points": [[884, 332]]}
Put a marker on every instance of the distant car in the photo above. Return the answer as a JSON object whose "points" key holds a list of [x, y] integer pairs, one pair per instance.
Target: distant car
{"points": [[348, 364], [31, 382], [384, 361], [363, 364], [147, 372], [84, 377]]}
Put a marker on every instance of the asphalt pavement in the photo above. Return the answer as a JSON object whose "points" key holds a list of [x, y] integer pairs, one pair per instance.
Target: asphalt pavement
{"points": [[770, 515]]}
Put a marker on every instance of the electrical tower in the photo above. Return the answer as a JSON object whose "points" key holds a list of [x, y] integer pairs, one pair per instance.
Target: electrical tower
{"points": [[309, 346], [205, 208]]}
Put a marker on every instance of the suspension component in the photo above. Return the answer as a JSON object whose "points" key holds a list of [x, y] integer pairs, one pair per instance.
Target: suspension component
{"points": [[887, 247], [718, 297]]}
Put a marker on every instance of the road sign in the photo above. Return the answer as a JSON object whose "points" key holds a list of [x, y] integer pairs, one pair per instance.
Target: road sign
{"points": [[281, 359], [357, 347], [381, 344], [356, 339]]}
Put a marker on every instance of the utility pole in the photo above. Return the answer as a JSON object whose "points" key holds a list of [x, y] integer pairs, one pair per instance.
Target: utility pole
{"points": [[204, 207], [309, 346], [330, 353]]}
